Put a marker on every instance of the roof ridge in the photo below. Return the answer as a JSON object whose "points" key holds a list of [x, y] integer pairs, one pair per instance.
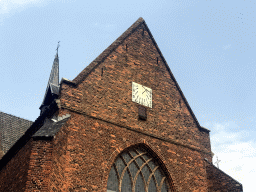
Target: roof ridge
{"points": [[16, 116], [82, 75]]}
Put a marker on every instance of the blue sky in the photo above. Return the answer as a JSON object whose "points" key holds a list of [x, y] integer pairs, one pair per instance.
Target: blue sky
{"points": [[209, 46]]}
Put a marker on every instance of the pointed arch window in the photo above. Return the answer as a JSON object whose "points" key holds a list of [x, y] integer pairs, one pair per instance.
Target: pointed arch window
{"points": [[135, 170]]}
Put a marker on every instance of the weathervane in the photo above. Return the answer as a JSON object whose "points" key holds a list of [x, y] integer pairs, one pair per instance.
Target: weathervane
{"points": [[58, 47], [217, 162]]}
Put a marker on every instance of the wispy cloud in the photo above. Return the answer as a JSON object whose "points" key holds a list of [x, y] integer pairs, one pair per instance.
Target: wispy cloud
{"points": [[10, 7], [225, 47], [6, 6], [237, 154]]}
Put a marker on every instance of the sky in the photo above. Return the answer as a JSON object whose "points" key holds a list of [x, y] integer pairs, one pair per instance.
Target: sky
{"points": [[208, 45]]}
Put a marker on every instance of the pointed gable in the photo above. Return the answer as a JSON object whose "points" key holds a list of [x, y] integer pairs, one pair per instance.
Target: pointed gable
{"points": [[104, 89], [107, 51], [100, 131], [118, 42]]}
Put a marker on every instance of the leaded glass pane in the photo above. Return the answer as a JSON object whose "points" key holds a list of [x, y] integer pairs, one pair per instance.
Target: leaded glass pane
{"points": [[152, 186], [126, 183], [146, 172], [133, 153], [164, 187], [112, 180], [145, 157], [133, 168], [139, 161], [120, 165], [126, 157], [139, 187], [152, 165], [158, 176]]}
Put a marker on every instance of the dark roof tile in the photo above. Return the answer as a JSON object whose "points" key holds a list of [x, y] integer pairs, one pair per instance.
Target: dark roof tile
{"points": [[11, 129]]}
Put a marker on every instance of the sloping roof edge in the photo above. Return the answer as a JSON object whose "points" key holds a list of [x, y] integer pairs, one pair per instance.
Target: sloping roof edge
{"points": [[51, 127], [205, 129], [81, 76], [16, 117], [168, 68], [37, 124], [222, 171]]}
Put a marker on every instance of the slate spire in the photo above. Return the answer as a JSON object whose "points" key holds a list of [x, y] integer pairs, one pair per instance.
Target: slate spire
{"points": [[54, 76], [52, 89]]}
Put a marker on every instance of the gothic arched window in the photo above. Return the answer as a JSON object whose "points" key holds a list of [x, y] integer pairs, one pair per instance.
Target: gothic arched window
{"points": [[135, 170]]}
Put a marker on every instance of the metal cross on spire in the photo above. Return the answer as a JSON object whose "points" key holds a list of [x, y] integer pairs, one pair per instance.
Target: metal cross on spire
{"points": [[217, 162], [58, 47]]}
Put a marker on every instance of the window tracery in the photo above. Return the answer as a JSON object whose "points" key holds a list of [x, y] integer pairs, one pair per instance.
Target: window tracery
{"points": [[135, 170]]}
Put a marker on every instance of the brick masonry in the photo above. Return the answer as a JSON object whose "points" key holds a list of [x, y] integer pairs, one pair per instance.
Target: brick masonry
{"points": [[104, 121], [92, 146], [108, 120], [219, 181], [14, 175]]}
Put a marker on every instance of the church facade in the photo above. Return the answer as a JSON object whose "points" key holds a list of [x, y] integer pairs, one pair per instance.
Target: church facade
{"points": [[122, 125]]}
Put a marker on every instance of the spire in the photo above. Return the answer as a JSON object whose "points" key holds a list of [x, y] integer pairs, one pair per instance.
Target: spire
{"points": [[52, 89], [54, 76]]}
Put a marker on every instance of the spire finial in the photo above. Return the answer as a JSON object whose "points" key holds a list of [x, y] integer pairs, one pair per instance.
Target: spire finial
{"points": [[58, 47]]}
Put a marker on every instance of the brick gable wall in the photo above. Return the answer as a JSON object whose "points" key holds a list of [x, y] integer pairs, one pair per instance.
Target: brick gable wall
{"points": [[108, 96], [105, 120]]}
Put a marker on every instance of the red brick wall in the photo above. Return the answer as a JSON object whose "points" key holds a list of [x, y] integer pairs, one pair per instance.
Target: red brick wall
{"points": [[206, 143], [218, 181], [40, 166], [108, 96], [14, 175], [93, 144], [29, 169], [59, 180]]}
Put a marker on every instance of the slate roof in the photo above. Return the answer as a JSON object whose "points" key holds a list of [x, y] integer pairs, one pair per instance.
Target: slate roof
{"points": [[51, 127], [54, 89], [11, 129], [36, 125]]}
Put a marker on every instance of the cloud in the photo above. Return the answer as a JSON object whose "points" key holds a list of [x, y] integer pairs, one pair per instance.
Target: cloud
{"points": [[10, 7], [225, 47], [236, 152], [6, 6]]}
